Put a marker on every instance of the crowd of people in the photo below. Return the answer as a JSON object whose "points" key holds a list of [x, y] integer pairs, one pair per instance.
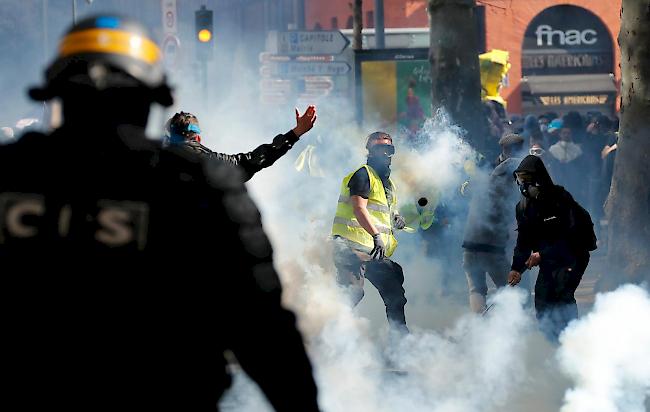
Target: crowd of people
{"points": [[578, 150]]}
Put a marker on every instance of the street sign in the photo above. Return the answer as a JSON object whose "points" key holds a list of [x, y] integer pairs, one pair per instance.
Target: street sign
{"points": [[269, 57], [315, 58], [269, 86], [318, 84], [274, 99], [266, 71], [171, 51], [169, 16], [293, 68], [295, 43]]}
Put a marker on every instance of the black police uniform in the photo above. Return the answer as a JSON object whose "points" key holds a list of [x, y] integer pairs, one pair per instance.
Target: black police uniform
{"points": [[108, 302]]}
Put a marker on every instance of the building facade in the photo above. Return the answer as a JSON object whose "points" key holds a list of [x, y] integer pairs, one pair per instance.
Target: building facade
{"points": [[564, 53]]}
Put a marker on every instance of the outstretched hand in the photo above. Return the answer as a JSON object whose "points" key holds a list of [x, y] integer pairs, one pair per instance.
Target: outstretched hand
{"points": [[305, 122]]}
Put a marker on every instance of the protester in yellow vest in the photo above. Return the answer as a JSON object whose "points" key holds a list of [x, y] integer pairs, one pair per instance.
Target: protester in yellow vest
{"points": [[363, 227]]}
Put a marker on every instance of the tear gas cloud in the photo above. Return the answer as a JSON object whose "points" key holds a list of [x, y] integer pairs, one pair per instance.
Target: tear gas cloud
{"points": [[453, 360], [607, 354]]}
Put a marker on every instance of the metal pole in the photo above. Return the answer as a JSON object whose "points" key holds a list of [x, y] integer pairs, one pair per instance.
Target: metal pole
{"points": [[74, 11], [45, 34], [299, 14], [380, 42], [357, 25], [204, 81]]}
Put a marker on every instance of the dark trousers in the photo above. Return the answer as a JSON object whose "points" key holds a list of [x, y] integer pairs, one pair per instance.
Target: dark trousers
{"points": [[555, 302], [387, 276]]}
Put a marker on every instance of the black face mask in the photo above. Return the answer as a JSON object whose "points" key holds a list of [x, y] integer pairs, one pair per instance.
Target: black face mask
{"points": [[381, 154], [379, 159], [529, 190], [528, 187]]}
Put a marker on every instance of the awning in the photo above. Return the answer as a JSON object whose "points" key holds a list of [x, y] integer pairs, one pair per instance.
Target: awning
{"points": [[575, 83]]}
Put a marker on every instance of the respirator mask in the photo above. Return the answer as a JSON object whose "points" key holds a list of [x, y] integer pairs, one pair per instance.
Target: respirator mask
{"points": [[527, 185]]}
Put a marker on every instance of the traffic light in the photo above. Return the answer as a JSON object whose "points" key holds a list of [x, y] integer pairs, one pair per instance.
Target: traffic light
{"points": [[203, 23]]}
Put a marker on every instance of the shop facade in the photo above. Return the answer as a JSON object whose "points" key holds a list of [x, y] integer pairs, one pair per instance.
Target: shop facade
{"points": [[564, 53]]}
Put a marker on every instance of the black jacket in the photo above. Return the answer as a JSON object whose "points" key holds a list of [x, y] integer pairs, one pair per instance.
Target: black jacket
{"points": [[547, 224], [110, 291], [252, 162]]}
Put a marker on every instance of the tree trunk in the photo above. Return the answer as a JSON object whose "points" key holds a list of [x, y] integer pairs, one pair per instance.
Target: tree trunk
{"points": [[456, 80], [628, 205], [357, 24]]}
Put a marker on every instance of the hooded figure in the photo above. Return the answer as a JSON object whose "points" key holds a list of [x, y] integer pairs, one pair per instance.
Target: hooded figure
{"points": [[556, 234]]}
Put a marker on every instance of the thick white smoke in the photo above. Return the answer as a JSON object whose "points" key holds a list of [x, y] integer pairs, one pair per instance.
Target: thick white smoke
{"points": [[463, 367], [438, 165], [453, 361], [607, 354]]}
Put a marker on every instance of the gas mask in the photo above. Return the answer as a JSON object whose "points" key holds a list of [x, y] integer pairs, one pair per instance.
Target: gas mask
{"points": [[527, 185]]}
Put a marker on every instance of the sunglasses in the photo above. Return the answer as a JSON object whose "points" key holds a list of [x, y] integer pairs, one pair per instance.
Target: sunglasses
{"points": [[536, 152]]}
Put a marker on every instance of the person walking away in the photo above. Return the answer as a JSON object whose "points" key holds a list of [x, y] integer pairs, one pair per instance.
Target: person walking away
{"points": [[489, 225]]}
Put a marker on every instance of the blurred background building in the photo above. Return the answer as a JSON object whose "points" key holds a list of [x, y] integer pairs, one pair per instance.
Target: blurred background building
{"points": [[562, 52]]}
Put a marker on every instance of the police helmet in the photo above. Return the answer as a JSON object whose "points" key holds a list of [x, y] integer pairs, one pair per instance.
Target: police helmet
{"points": [[106, 52]]}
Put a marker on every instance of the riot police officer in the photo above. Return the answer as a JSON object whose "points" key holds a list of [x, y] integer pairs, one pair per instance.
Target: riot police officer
{"points": [[107, 305]]}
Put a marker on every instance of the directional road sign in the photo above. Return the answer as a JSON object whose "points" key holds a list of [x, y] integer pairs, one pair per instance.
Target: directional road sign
{"points": [[295, 43], [294, 68]]}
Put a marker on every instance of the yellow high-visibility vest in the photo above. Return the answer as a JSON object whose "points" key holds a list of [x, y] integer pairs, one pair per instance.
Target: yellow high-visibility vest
{"points": [[348, 227]]}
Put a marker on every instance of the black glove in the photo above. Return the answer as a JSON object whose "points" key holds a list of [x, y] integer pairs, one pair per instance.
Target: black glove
{"points": [[379, 251], [399, 222]]}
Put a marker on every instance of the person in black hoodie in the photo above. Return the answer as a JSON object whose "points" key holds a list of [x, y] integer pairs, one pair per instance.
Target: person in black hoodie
{"points": [[556, 234], [183, 130]]}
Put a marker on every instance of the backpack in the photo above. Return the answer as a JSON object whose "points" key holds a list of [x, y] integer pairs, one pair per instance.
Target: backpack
{"points": [[585, 235]]}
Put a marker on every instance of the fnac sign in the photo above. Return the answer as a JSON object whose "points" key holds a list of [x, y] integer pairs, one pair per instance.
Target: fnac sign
{"points": [[566, 40], [546, 36]]}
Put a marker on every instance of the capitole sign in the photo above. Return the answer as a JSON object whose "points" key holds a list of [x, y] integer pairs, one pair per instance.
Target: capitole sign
{"points": [[566, 40]]}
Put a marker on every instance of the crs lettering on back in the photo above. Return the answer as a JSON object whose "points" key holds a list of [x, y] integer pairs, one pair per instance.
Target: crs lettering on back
{"points": [[114, 224]]}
